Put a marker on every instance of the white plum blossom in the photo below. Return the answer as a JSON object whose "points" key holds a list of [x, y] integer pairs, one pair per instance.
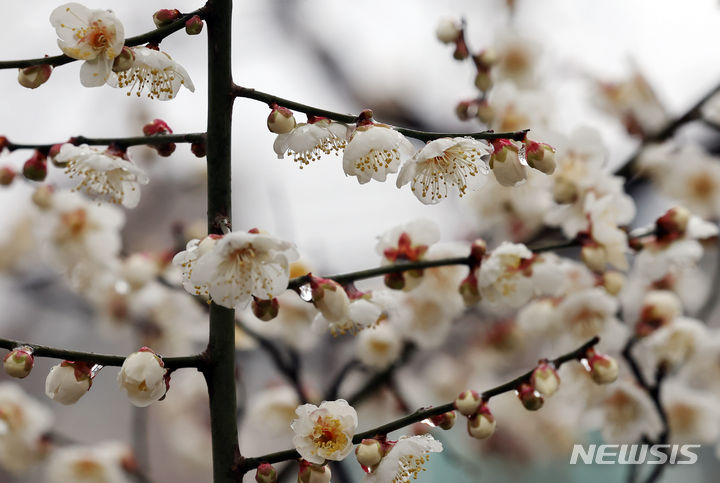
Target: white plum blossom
{"points": [[673, 344], [307, 142], [90, 464], [95, 36], [693, 415], [81, 237], [292, 324], [67, 382], [685, 173], [324, 432], [628, 414], [514, 110], [516, 58], [501, 281], [186, 259], [239, 266], [360, 313], [24, 422], [142, 375], [443, 165], [378, 346], [605, 215], [373, 151], [104, 173], [404, 462], [407, 242], [153, 71]]}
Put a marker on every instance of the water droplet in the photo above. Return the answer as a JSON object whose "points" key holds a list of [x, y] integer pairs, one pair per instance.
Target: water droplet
{"points": [[522, 155], [306, 293]]}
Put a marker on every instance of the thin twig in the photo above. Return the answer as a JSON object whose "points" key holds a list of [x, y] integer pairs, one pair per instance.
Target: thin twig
{"points": [[119, 142], [197, 361], [350, 119]]}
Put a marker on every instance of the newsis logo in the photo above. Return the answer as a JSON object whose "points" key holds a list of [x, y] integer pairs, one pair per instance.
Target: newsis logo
{"points": [[634, 454]]}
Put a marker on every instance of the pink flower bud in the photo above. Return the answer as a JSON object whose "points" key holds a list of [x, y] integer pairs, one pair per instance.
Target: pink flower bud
{"points": [[506, 164], [461, 49], [660, 307], [462, 110], [468, 402], [280, 120], [540, 156], [469, 290], [3, 143], [603, 368], [530, 398], [545, 379], [34, 76], [19, 362], [672, 224], [194, 25], [445, 420], [157, 126], [35, 168], [481, 425], [7, 175], [166, 16], [265, 309], [266, 473], [52, 154], [124, 61], [369, 453], [478, 249], [165, 150]]}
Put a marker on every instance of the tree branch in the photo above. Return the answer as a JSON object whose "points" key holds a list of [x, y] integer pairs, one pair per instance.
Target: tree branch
{"points": [[246, 464], [197, 361], [196, 137], [154, 36], [350, 119]]}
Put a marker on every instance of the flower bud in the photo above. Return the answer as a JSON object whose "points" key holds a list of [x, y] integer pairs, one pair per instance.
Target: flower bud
{"points": [[124, 61], [486, 59], [329, 298], [447, 30], [311, 473], [660, 307], [613, 282], [19, 362], [43, 196], [672, 224], [266, 473], [395, 280], [68, 381], [138, 270], [157, 126], [34, 76], [564, 191], [143, 376], [52, 155], [485, 112], [481, 425], [603, 368], [478, 249], [166, 16], [445, 420], [35, 168], [540, 156], [461, 49], [7, 175], [468, 402], [462, 110], [469, 290], [594, 257], [483, 80], [369, 452], [3, 143], [545, 379], [265, 309], [199, 149], [506, 164], [194, 25], [280, 120], [530, 398]]}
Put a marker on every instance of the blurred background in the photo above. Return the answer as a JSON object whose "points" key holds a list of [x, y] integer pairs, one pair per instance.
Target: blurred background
{"points": [[343, 56]]}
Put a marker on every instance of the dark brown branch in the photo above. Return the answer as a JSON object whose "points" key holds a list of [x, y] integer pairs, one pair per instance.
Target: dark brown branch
{"points": [[119, 142], [154, 36], [270, 99], [197, 361], [246, 464]]}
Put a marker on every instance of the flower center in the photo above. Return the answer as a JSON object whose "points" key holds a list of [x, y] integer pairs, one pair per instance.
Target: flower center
{"points": [[451, 168], [702, 186], [98, 38], [72, 224], [410, 467], [87, 468], [328, 435]]}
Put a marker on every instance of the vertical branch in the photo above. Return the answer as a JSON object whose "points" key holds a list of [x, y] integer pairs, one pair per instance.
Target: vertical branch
{"points": [[220, 370]]}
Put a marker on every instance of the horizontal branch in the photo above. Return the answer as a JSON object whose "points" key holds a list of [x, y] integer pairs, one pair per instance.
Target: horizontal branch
{"points": [[246, 464], [120, 142], [154, 36], [270, 99], [197, 360]]}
